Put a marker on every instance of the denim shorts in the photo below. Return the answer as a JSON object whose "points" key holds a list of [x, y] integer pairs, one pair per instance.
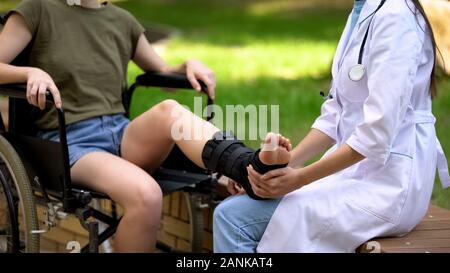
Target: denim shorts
{"points": [[99, 134]]}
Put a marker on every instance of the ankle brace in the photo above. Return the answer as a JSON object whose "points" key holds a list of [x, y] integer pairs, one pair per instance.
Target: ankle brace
{"points": [[227, 155]]}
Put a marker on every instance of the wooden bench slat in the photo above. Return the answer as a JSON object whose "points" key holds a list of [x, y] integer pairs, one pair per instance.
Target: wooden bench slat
{"points": [[433, 225], [423, 234], [417, 243], [417, 250], [433, 209], [431, 235], [437, 214]]}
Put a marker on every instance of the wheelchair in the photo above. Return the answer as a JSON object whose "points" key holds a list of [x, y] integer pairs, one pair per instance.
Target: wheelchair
{"points": [[36, 172]]}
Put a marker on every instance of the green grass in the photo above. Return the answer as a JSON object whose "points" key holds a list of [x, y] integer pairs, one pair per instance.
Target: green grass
{"points": [[277, 57], [269, 52]]}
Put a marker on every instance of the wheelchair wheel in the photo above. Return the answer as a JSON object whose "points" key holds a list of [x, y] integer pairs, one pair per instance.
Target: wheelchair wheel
{"points": [[196, 221], [9, 226], [18, 217]]}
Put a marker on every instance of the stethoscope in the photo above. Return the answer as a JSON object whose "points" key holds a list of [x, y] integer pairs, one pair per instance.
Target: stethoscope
{"points": [[358, 71]]}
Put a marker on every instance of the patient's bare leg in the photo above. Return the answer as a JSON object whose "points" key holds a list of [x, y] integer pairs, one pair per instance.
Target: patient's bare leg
{"points": [[150, 137], [133, 189]]}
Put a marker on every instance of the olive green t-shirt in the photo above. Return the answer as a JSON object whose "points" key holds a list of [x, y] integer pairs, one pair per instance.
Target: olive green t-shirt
{"points": [[85, 51]]}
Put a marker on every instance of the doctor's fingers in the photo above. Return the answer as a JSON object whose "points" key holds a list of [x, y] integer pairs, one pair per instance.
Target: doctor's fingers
{"points": [[257, 189], [269, 186], [273, 174], [234, 188], [231, 187], [257, 177]]}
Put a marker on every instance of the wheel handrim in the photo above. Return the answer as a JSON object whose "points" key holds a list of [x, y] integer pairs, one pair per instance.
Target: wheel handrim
{"points": [[9, 227]]}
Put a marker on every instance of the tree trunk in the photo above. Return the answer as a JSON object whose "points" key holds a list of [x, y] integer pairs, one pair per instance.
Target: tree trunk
{"points": [[438, 12]]}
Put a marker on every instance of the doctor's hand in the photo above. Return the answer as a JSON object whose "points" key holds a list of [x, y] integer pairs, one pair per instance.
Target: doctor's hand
{"points": [[234, 188], [275, 183]]}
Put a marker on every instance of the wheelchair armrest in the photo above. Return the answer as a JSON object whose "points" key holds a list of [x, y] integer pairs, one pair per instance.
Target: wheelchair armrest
{"points": [[19, 91], [167, 80]]}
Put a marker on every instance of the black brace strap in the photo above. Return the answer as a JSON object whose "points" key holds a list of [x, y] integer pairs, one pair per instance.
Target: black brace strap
{"points": [[230, 157], [234, 157], [215, 157]]}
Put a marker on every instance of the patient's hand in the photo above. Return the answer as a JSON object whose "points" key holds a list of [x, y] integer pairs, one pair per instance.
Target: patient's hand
{"points": [[196, 71], [38, 82]]}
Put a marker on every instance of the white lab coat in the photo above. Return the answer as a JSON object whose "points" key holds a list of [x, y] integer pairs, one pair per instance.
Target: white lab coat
{"points": [[387, 118]]}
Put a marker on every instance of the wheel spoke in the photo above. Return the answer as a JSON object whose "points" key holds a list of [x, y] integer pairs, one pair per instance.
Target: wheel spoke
{"points": [[17, 196]]}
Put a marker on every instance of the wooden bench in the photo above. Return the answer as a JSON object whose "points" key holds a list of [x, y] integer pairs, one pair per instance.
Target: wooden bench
{"points": [[432, 235]]}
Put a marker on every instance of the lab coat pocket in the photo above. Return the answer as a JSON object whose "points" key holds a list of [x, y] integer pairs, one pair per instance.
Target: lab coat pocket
{"points": [[384, 188], [353, 91]]}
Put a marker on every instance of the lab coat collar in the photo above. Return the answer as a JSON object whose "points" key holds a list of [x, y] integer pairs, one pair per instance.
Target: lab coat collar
{"points": [[340, 49], [369, 7]]}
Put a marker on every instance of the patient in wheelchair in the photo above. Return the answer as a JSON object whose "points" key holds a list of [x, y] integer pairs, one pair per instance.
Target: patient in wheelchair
{"points": [[80, 52]]}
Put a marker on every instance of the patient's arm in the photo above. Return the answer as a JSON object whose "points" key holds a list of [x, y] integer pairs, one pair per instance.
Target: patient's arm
{"points": [[315, 143], [14, 37], [147, 59]]}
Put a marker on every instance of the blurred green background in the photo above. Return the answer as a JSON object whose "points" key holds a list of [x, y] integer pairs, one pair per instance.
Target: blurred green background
{"points": [[268, 52]]}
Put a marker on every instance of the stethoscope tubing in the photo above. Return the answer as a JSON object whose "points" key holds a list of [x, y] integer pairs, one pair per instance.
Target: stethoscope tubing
{"points": [[363, 44]]}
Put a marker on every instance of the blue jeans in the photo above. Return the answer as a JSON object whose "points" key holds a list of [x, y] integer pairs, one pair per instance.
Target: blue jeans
{"points": [[240, 222], [98, 134]]}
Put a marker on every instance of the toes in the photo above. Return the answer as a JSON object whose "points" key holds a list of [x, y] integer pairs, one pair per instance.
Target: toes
{"points": [[271, 142], [270, 137], [274, 141], [284, 142]]}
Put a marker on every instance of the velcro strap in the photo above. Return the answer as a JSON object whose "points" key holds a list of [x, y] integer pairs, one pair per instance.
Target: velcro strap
{"points": [[262, 168], [218, 151], [234, 156]]}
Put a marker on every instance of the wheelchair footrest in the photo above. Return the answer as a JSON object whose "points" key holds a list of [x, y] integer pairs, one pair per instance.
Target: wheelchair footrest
{"points": [[173, 180]]}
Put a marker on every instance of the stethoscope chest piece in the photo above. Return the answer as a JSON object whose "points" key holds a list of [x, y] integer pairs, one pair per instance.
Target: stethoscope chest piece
{"points": [[357, 72]]}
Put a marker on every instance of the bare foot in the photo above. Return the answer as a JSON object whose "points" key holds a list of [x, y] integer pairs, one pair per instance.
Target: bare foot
{"points": [[275, 150]]}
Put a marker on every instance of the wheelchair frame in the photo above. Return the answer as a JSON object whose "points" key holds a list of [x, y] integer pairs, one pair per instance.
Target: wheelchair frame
{"points": [[196, 184]]}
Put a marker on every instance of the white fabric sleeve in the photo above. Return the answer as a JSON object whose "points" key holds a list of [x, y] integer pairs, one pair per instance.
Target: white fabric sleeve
{"points": [[328, 120]]}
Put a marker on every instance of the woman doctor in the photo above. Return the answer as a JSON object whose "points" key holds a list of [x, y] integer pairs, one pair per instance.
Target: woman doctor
{"points": [[377, 178]]}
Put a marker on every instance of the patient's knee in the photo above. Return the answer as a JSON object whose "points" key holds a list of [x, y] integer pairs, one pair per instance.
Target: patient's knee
{"points": [[167, 106], [147, 200], [150, 197]]}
